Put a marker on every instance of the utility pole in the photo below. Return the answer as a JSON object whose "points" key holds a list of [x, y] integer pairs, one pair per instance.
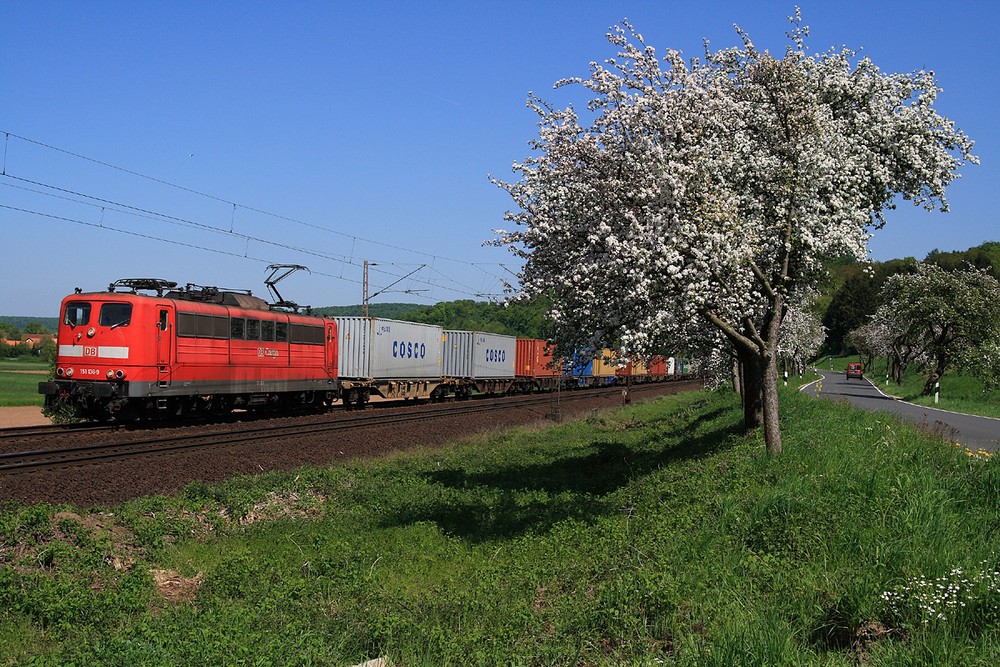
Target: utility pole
{"points": [[364, 298]]}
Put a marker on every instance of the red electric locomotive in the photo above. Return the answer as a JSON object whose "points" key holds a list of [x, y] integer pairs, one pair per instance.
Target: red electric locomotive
{"points": [[193, 350]]}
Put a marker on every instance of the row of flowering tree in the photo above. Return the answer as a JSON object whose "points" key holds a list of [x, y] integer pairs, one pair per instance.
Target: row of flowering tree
{"points": [[940, 319], [800, 336], [709, 193]]}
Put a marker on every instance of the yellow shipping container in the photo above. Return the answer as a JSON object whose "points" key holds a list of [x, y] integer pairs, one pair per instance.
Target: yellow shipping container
{"points": [[606, 364]]}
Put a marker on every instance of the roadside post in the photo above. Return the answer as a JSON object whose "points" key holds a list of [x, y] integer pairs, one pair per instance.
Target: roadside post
{"points": [[937, 392]]}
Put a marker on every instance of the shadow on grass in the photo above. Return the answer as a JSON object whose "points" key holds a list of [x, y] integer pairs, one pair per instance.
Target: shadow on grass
{"points": [[520, 499]]}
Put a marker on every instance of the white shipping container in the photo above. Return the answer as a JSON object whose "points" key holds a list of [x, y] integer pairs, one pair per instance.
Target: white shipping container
{"points": [[379, 349], [478, 355]]}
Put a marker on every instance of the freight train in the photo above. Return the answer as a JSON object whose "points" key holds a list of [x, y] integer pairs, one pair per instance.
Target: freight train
{"points": [[145, 348]]}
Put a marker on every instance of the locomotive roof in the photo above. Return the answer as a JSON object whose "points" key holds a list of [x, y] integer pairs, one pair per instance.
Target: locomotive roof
{"points": [[165, 289], [190, 292], [236, 299]]}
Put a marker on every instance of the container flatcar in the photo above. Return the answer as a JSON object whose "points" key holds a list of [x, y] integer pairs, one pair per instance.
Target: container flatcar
{"points": [[599, 370], [478, 360], [536, 366], [388, 358]]}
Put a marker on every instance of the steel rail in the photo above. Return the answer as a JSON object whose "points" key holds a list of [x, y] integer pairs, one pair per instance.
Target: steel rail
{"points": [[15, 432]]}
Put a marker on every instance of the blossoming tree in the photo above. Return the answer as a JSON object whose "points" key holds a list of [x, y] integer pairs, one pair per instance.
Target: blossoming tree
{"points": [[950, 317], [709, 193], [800, 336], [887, 335]]}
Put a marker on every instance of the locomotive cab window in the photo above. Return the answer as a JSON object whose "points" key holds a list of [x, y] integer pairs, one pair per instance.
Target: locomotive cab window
{"points": [[115, 315], [77, 314]]}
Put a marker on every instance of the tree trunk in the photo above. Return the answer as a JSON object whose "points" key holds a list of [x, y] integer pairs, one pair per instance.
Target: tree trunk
{"points": [[898, 371], [933, 379], [900, 360], [772, 428], [753, 387]]}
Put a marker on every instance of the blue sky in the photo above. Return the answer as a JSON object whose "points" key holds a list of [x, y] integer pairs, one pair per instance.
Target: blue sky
{"points": [[329, 133]]}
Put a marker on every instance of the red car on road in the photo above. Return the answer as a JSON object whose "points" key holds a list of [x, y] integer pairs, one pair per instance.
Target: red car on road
{"points": [[855, 370]]}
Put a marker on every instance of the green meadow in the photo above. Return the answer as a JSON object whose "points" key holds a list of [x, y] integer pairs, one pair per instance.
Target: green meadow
{"points": [[657, 534]]}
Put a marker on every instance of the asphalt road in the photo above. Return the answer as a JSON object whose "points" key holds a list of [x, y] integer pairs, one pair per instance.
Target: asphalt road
{"points": [[972, 431]]}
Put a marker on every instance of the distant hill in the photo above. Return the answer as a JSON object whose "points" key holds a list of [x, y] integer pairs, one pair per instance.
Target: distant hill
{"points": [[50, 323], [525, 319], [522, 319], [984, 256]]}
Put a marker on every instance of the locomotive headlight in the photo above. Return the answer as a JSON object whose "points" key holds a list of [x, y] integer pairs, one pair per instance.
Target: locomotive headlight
{"points": [[120, 375], [69, 372], [60, 372], [90, 332], [111, 373]]}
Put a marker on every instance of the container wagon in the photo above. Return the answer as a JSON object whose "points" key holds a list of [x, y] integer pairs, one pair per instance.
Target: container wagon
{"points": [[536, 366], [389, 358], [600, 370], [478, 361]]}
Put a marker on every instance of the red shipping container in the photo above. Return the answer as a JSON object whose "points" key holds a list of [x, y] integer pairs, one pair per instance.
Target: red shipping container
{"points": [[623, 368], [533, 358]]}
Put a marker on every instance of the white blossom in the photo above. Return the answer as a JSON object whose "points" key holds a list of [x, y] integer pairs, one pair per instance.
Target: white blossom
{"points": [[710, 193]]}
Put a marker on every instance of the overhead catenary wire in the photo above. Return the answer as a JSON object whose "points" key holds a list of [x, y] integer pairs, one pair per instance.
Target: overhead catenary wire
{"points": [[106, 204], [194, 246], [126, 209], [235, 205]]}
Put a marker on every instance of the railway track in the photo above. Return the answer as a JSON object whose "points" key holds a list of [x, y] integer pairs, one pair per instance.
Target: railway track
{"points": [[47, 430], [67, 457]]}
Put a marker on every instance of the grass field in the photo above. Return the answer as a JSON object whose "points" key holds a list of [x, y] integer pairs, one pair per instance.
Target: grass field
{"points": [[657, 534], [19, 382]]}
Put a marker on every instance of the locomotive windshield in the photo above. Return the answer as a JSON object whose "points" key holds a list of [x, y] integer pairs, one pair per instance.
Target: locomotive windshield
{"points": [[115, 315], [77, 313]]}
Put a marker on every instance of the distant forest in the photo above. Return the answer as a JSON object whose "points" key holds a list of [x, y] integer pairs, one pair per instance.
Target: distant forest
{"points": [[525, 319], [392, 311]]}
